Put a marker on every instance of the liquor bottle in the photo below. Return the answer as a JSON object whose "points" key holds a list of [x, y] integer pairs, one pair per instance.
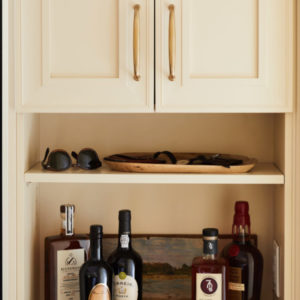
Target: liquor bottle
{"points": [[127, 264], [64, 255], [209, 272], [245, 260], [96, 275]]}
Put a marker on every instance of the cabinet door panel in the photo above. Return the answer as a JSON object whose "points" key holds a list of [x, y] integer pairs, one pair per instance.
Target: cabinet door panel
{"points": [[77, 55], [83, 43], [231, 56]]}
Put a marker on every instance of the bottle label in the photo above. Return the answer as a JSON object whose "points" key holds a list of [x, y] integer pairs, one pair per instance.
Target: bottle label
{"points": [[100, 292], [68, 266], [209, 286], [235, 285], [124, 240], [210, 246], [125, 287]]}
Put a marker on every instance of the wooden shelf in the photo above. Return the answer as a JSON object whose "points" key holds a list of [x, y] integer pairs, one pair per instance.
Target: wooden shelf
{"points": [[265, 173]]}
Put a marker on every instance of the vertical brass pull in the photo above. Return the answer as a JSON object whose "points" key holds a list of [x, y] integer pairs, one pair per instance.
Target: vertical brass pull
{"points": [[136, 43], [172, 42]]}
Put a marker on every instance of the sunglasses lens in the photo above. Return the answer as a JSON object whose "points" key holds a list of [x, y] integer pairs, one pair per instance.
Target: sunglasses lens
{"points": [[88, 159], [59, 160]]}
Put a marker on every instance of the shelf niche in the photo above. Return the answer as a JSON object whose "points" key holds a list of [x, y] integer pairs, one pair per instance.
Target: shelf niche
{"points": [[161, 203]]}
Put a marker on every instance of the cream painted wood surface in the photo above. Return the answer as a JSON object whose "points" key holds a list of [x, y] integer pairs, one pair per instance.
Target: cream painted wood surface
{"points": [[78, 56], [28, 134], [261, 174], [296, 260], [231, 56], [9, 164], [284, 204]]}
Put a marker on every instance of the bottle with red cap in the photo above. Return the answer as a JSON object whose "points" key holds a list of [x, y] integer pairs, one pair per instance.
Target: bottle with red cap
{"points": [[245, 260]]}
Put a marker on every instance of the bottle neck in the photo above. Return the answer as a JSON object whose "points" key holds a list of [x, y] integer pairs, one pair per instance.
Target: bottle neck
{"points": [[67, 224], [209, 256], [241, 233], [210, 248], [124, 242], [96, 249]]}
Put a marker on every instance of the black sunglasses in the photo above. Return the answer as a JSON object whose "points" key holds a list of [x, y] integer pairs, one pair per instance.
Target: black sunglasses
{"points": [[60, 160]]}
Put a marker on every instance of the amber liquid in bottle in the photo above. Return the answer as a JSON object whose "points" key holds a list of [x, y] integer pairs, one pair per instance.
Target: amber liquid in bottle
{"points": [[209, 272], [64, 255], [245, 260]]}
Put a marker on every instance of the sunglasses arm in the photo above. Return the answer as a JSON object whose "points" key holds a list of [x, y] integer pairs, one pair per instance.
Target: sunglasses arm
{"points": [[45, 166], [75, 155]]}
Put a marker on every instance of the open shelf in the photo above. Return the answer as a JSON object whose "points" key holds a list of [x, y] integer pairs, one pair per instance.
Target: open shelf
{"points": [[263, 173]]}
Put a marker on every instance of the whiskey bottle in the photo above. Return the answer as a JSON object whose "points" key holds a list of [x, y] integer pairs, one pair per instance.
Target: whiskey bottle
{"points": [[96, 275], [245, 260], [64, 255], [209, 273], [127, 264]]}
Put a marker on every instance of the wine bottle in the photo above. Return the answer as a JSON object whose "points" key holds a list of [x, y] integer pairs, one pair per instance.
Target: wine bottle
{"points": [[64, 255], [127, 264], [245, 260], [96, 275]]}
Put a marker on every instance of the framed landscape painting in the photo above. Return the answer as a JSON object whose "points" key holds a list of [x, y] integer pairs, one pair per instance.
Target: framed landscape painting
{"points": [[167, 261]]}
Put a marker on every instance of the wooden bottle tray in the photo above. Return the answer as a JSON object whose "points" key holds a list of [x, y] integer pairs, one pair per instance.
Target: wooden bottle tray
{"points": [[143, 162]]}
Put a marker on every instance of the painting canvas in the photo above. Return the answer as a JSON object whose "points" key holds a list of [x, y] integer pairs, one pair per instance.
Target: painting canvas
{"points": [[167, 261]]}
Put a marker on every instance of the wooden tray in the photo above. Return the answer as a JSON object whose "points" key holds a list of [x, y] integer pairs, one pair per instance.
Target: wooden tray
{"points": [[246, 166]]}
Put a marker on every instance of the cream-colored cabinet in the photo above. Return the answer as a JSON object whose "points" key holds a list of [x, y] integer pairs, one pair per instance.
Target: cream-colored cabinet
{"points": [[85, 55], [224, 56], [51, 65], [98, 55]]}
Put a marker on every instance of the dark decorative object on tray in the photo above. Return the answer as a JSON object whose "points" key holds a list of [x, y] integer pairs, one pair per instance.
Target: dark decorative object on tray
{"points": [[157, 158], [168, 162], [216, 160], [134, 159], [167, 261], [168, 154]]}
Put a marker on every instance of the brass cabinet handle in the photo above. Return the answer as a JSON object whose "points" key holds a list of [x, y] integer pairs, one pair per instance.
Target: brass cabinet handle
{"points": [[172, 41], [136, 43]]}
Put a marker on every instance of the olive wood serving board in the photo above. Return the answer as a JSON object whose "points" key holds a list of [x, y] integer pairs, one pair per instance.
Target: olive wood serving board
{"points": [[144, 167]]}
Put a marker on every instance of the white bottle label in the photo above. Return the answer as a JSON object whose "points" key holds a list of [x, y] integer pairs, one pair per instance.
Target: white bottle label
{"points": [[208, 286], [124, 240], [68, 266], [125, 287]]}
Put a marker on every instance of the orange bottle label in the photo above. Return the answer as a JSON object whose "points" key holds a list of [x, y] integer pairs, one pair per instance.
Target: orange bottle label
{"points": [[100, 292]]}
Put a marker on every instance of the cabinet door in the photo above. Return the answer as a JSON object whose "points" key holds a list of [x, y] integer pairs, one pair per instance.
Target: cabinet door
{"points": [[78, 55], [226, 55]]}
